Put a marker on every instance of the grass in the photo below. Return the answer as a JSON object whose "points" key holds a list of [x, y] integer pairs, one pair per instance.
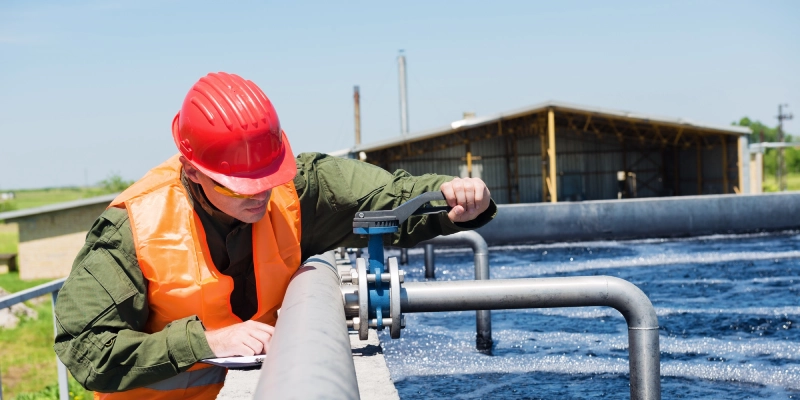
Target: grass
{"points": [[8, 240], [30, 198], [27, 360], [792, 182]]}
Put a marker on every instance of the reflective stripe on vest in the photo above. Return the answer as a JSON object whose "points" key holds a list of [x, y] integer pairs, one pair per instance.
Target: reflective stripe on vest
{"points": [[182, 281]]}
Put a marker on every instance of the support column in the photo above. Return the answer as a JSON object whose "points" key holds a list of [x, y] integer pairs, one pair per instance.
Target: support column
{"points": [[545, 161], [744, 165], [551, 155], [725, 182]]}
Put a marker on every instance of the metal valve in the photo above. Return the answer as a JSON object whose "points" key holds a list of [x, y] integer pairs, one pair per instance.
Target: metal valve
{"points": [[378, 290]]}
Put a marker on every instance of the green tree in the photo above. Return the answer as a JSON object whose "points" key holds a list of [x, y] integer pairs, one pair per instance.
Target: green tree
{"points": [[762, 132], [114, 183]]}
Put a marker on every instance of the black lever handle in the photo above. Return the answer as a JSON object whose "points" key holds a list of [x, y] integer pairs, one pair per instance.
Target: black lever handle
{"points": [[398, 215]]}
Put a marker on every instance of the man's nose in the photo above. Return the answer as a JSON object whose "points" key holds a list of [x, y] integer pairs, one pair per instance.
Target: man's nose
{"points": [[262, 196]]}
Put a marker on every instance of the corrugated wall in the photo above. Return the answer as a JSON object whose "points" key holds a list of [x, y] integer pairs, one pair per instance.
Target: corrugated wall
{"points": [[587, 165]]}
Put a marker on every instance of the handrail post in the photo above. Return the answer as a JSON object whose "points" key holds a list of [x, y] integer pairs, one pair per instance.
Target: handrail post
{"points": [[63, 383], [480, 250]]}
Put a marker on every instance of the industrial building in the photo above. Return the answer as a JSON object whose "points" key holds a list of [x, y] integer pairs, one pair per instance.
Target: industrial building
{"points": [[556, 151]]}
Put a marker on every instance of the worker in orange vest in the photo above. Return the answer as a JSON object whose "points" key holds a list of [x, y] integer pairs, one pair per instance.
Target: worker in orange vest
{"points": [[193, 260]]}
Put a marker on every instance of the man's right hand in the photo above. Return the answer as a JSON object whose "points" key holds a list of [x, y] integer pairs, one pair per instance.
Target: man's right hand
{"points": [[247, 338]]}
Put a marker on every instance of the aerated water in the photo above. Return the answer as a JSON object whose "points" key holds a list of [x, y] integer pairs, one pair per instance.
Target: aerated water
{"points": [[728, 309]]}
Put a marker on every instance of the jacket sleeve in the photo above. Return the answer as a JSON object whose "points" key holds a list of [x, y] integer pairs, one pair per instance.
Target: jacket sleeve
{"points": [[333, 189], [101, 312]]}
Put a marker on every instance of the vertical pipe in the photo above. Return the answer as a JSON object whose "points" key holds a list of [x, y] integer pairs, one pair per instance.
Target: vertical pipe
{"points": [[430, 268], [357, 109], [551, 154], [401, 65], [480, 250], [63, 385], [403, 256]]}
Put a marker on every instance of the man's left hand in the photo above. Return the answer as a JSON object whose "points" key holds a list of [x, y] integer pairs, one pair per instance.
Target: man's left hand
{"points": [[468, 197]]}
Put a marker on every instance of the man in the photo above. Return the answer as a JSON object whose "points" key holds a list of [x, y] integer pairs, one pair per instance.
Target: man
{"points": [[193, 260]]}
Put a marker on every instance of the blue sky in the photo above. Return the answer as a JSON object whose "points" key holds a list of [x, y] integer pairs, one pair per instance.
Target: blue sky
{"points": [[89, 88]]}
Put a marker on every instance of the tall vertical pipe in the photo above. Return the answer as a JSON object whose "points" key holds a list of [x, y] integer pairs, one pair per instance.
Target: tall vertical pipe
{"points": [[401, 70], [480, 250], [357, 109], [430, 260]]}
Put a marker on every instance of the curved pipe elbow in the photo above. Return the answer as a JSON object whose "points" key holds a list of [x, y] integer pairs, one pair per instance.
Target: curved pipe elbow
{"points": [[632, 303]]}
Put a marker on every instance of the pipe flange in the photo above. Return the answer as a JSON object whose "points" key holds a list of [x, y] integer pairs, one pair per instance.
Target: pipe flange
{"points": [[394, 298], [363, 299]]}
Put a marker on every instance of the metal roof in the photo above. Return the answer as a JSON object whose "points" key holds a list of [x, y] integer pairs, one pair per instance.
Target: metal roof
{"points": [[57, 207], [557, 105]]}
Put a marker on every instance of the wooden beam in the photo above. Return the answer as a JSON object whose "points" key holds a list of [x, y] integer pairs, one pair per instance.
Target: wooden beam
{"points": [[551, 154]]}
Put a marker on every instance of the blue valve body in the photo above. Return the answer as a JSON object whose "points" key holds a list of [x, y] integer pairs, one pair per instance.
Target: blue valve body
{"points": [[378, 293]]}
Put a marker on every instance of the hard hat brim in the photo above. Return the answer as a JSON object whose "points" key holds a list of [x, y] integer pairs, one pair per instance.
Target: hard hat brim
{"points": [[283, 169]]}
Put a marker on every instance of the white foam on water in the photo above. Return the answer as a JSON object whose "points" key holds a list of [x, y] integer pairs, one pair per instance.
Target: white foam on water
{"points": [[663, 259], [607, 312]]}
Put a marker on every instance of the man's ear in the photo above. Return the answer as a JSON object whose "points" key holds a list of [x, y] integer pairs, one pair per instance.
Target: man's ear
{"points": [[190, 170]]}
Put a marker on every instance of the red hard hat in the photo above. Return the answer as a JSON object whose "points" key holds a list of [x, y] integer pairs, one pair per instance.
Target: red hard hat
{"points": [[228, 129]]}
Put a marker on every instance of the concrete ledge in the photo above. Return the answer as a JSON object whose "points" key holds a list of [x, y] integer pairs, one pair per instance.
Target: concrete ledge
{"points": [[374, 381], [638, 218]]}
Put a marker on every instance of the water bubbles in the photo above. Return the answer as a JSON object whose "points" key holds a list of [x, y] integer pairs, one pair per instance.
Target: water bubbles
{"points": [[725, 307]]}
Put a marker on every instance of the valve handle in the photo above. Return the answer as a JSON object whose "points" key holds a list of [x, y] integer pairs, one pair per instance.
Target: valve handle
{"points": [[414, 206]]}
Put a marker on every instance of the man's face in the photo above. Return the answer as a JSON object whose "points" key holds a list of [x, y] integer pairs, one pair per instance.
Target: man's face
{"points": [[248, 210]]}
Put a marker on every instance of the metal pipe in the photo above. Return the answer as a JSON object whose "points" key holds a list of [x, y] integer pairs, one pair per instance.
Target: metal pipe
{"points": [[401, 70], [430, 260], [404, 256], [309, 355], [63, 383], [483, 318], [665, 217], [582, 291]]}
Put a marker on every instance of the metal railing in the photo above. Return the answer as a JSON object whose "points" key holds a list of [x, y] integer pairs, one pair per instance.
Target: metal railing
{"points": [[27, 294], [480, 250]]}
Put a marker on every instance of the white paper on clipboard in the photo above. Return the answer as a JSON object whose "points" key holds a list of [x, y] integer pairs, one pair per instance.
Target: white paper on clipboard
{"points": [[236, 362]]}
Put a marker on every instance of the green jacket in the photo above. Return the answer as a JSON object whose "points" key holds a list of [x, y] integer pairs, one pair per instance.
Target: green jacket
{"points": [[102, 308]]}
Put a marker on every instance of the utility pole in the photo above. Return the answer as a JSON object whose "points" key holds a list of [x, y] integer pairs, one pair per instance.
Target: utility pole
{"points": [[781, 170], [357, 109]]}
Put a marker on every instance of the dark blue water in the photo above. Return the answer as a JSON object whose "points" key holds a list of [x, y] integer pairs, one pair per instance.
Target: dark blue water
{"points": [[728, 309]]}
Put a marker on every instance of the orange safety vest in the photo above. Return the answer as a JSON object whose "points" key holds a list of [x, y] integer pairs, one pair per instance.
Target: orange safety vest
{"points": [[182, 280]]}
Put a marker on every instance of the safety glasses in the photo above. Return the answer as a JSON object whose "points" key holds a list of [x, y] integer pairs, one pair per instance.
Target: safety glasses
{"points": [[230, 193]]}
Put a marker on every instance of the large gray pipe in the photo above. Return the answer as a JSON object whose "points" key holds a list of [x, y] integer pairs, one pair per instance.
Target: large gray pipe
{"points": [[310, 356], [582, 291], [651, 217], [480, 250]]}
